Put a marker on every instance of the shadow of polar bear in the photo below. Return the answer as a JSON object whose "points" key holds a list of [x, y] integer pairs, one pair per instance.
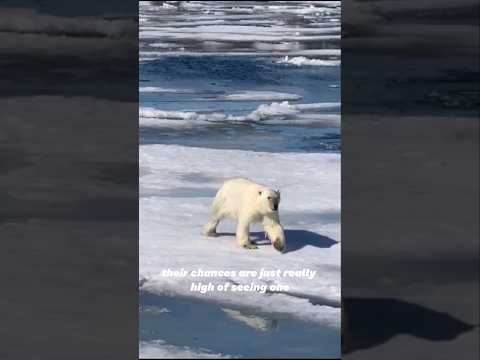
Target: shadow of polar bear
{"points": [[296, 239]]}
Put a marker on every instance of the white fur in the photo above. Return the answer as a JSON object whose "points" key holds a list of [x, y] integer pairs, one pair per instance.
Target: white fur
{"points": [[247, 202]]}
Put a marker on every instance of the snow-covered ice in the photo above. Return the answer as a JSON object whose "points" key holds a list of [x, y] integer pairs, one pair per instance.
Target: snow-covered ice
{"points": [[162, 90], [221, 28], [158, 349], [177, 186], [267, 113], [261, 95], [290, 50], [302, 60], [255, 95]]}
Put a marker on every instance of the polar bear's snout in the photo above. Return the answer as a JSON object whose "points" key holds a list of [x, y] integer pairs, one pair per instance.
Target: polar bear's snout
{"points": [[274, 198], [275, 204]]}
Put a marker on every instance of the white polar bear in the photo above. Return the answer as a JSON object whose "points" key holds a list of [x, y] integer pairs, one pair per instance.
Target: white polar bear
{"points": [[247, 202]]}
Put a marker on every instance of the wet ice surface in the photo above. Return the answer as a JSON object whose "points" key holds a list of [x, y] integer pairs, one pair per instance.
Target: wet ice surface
{"points": [[239, 89], [212, 327], [250, 136]]}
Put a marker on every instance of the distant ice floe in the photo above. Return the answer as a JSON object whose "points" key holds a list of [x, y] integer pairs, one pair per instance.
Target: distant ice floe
{"points": [[238, 33], [301, 60], [154, 55], [276, 112], [166, 5], [171, 222], [285, 109], [241, 27], [247, 95], [261, 96], [159, 349], [232, 37], [162, 90], [164, 45]]}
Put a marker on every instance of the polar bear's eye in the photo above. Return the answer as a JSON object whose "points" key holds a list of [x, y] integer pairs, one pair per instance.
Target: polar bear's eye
{"points": [[269, 198], [259, 193]]}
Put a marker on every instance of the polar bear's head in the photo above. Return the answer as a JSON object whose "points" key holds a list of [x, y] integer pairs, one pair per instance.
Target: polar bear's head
{"points": [[268, 200]]}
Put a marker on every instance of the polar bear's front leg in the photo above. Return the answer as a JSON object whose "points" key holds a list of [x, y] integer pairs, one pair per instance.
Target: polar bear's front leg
{"points": [[243, 231], [275, 233]]}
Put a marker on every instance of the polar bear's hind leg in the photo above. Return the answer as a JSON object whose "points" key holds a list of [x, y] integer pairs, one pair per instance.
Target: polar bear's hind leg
{"points": [[210, 229]]}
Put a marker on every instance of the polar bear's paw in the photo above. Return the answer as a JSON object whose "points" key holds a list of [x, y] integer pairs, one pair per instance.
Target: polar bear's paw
{"points": [[208, 230], [249, 246]]}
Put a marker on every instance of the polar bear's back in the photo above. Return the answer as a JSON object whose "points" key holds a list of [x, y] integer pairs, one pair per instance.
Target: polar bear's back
{"points": [[238, 183], [231, 196]]}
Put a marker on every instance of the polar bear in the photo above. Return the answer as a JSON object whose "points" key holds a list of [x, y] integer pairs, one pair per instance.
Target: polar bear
{"points": [[247, 202]]}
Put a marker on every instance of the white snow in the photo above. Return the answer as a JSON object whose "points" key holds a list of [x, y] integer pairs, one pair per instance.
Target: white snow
{"points": [[163, 90], [161, 118], [242, 29], [159, 349], [291, 49], [286, 109], [302, 60], [276, 112], [145, 33], [164, 45], [177, 185], [168, 6], [322, 8], [261, 95]]}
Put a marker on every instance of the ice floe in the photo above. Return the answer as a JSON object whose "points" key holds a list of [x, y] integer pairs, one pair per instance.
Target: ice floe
{"points": [[159, 349], [157, 89], [276, 112], [243, 27], [176, 189], [302, 60], [261, 96]]}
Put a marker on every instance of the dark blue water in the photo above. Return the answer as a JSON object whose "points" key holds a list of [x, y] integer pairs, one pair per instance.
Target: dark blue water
{"points": [[204, 79], [200, 325]]}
